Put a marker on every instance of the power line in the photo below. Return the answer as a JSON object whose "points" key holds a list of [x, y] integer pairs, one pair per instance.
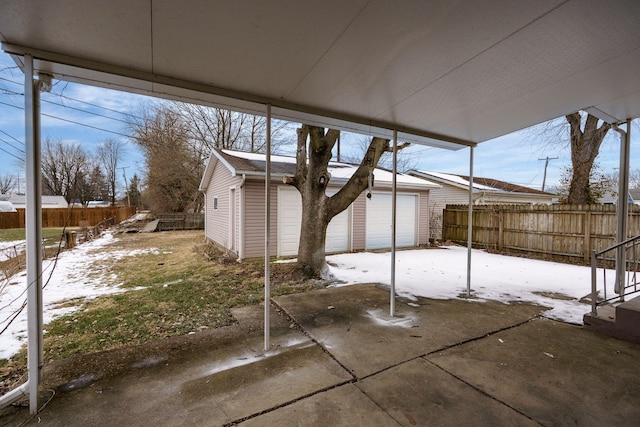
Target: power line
{"points": [[71, 121], [76, 109], [12, 146], [73, 99], [86, 125], [96, 105], [11, 154], [12, 137]]}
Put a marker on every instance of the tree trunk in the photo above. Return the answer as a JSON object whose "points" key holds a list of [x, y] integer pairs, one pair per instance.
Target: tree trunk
{"points": [[311, 253], [311, 180], [585, 146]]}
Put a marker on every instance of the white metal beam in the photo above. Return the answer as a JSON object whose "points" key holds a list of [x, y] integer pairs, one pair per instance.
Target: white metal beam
{"points": [[394, 205], [267, 233], [33, 232], [470, 222], [622, 207]]}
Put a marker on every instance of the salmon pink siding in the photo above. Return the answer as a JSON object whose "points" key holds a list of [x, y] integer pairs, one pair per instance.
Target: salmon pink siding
{"points": [[250, 215]]}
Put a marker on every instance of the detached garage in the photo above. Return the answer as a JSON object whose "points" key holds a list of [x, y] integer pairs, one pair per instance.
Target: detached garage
{"points": [[233, 184]]}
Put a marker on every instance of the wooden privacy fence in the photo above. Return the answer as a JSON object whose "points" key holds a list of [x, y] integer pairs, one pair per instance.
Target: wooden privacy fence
{"points": [[69, 217], [180, 221], [564, 232]]}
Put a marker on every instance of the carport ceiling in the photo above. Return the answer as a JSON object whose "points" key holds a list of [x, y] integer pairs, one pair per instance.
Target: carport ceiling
{"points": [[454, 71]]}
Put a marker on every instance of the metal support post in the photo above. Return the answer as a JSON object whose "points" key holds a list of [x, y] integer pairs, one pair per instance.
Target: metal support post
{"points": [[33, 222], [470, 222], [394, 207], [267, 240], [622, 208]]}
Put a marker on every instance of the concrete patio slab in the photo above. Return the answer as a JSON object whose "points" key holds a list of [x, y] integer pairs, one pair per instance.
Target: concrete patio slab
{"points": [[353, 323], [341, 406], [555, 373], [437, 363], [419, 393], [225, 377]]}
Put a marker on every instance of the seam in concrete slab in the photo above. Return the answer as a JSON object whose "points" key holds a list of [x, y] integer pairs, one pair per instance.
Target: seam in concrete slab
{"points": [[488, 334], [495, 399], [318, 343], [386, 368], [290, 402]]}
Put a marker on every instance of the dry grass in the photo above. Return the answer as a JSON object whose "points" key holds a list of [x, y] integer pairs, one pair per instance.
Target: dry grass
{"points": [[184, 286]]}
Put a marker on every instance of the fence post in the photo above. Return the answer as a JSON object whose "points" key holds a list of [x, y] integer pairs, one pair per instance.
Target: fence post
{"points": [[594, 292], [587, 235], [500, 229]]}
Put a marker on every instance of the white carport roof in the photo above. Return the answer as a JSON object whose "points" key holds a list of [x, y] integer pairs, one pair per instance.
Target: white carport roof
{"points": [[445, 72]]}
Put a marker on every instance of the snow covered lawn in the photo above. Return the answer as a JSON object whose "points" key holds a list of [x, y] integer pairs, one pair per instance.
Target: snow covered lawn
{"points": [[78, 276], [442, 274], [84, 273]]}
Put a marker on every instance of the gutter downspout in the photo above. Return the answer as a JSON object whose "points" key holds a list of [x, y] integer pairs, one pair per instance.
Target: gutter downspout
{"points": [[622, 207], [242, 219], [14, 395]]}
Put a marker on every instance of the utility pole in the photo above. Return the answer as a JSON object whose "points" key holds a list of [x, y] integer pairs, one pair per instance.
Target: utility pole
{"points": [[126, 185], [546, 164]]}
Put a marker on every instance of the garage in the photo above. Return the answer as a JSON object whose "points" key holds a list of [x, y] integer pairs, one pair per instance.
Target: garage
{"points": [[378, 220], [290, 219]]}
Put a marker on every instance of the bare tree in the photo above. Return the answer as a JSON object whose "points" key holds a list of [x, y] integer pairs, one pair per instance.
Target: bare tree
{"points": [[584, 137], [634, 178], [63, 168], [585, 145], [210, 127], [360, 145], [599, 185], [109, 153], [311, 180], [174, 166], [8, 183]]}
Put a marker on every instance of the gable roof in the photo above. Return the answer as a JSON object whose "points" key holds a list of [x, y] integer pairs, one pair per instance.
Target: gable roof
{"points": [[479, 184], [21, 199], [253, 164]]}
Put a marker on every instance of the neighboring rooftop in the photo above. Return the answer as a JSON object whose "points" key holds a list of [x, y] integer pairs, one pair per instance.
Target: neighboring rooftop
{"points": [[239, 163], [479, 183]]}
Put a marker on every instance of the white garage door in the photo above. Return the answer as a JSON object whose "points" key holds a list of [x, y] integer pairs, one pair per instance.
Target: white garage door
{"points": [[378, 222], [290, 219]]}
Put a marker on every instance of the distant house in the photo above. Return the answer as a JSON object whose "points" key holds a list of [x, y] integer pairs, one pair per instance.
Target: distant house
{"points": [[454, 189], [48, 202], [6, 206], [233, 184], [98, 204]]}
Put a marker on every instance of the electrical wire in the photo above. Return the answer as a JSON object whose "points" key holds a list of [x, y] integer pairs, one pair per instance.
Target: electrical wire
{"points": [[10, 144], [11, 154], [71, 121]]}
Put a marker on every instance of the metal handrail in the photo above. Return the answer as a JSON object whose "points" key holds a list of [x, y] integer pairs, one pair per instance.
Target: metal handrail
{"points": [[631, 264]]}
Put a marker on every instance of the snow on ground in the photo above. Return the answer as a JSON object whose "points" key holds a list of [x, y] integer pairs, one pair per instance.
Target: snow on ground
{"points": [[80, 274], [442, 274], [10, 249]]}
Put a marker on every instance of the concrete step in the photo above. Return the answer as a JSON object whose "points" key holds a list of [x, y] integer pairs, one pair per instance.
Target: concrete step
{"points": [[621, 321], [604, 322], [628, 317]]}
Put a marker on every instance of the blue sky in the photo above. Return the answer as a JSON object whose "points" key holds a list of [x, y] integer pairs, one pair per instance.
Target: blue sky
{"points": [[87, 115]]}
